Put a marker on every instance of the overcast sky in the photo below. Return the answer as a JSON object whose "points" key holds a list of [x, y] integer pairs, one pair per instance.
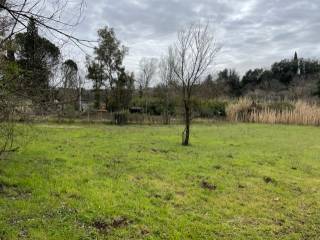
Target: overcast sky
{"points": [[253, 33]]}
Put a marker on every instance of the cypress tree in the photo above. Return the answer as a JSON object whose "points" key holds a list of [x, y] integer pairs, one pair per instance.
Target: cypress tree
{"points": [[296, 63]]}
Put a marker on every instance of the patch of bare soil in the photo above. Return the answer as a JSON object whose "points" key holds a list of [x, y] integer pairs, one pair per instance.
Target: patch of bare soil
{"points": [[209, 186], [105, 226]]}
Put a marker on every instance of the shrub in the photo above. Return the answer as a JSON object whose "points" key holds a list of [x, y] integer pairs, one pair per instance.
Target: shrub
{"points": [[209, 108], [155, 106]]}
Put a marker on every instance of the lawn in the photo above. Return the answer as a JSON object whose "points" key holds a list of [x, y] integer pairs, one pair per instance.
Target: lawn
{"points": [[104, 182]]}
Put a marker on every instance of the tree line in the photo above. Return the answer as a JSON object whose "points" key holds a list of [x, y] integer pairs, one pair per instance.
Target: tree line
{"points": [[36, 79], [283, 80], [31, 65]]}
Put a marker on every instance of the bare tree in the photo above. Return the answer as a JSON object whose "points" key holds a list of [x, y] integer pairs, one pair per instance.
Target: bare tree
{"points": [[10, 107], [6, 124], [166, 73], [194, 53], [148, 69]]}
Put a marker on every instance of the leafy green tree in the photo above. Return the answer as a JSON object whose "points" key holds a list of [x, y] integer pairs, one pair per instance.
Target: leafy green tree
{"points": [[309, 66], [284, 71], [252, 78], [109, 54], [230, 80], [36, 57], [122, 92], [95, 74], [69, 93], [70, 74]]}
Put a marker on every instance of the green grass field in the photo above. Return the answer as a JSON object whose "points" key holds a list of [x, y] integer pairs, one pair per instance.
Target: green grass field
{"points": [[137, 182]]}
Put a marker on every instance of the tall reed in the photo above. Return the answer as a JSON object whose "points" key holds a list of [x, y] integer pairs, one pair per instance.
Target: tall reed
{"points": [[300, 112]]}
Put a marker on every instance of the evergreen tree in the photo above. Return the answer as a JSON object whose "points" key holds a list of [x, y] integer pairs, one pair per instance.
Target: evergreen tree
{"points": [[252, 78], [110, 54], [123, 91], [69, 92], [95, 73], [296, 63], [70, 73], [284, 71], [36, 56], [230, 79]]}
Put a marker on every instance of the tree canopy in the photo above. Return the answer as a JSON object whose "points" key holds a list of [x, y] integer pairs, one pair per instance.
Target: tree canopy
{"points": [[36, 57]]}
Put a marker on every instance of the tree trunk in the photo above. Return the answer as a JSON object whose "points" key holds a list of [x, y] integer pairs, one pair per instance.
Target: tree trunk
{"points": [[106, 102], [186, 132], [80, 99], [167, 114], [97, 98]]}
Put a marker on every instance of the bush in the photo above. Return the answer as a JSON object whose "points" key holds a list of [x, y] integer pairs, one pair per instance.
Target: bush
{"points": [[209, 108], [155, 106]]}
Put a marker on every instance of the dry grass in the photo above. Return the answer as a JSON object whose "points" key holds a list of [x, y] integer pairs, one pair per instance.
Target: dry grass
{"points": [[299, 112]]}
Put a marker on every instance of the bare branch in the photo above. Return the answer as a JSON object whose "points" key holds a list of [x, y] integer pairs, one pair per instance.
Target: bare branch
{"points": [[49, 21], [194, 53]]}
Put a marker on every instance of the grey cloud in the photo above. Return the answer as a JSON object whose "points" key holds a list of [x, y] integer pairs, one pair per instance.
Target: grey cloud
{"points": [[254, 33]]}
